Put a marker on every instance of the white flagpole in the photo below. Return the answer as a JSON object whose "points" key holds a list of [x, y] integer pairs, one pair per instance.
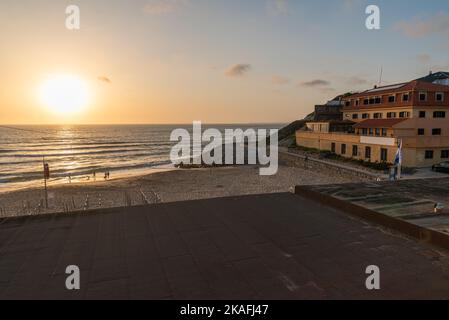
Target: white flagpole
{"points": [[400, 159]]}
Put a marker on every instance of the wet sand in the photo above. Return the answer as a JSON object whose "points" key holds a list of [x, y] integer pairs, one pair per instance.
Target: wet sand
{"points": [[167, 186]]}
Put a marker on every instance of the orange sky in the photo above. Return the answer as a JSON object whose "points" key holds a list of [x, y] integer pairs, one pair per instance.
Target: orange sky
{"points": [[176, 61]]}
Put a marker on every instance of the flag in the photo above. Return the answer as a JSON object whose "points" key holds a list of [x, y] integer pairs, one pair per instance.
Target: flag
{"points": [[398, 159]]}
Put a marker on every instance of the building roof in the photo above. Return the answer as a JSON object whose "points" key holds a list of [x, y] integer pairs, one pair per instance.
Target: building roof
{"points": [[250, 247], [435, 81], [334, 122], [379, 123], [437, 76]]}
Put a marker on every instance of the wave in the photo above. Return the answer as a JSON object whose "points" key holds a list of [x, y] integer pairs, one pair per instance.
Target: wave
{"points": [[58, 174]]}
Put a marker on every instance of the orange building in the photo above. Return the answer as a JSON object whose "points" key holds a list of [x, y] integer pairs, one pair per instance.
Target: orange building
{"points": [[417, 112]]}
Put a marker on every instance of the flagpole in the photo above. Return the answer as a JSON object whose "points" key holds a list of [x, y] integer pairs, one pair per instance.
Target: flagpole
{"points": [[400, 160], [45, 183]]}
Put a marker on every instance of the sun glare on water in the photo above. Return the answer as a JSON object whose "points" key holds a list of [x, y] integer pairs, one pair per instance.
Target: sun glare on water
{"points": [[64, 94]]}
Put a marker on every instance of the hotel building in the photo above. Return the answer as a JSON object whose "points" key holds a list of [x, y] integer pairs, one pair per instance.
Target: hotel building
{"points": [[372, 122]]}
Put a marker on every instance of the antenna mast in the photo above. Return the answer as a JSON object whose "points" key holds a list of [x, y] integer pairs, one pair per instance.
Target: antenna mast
{"points": [[381, 75]]}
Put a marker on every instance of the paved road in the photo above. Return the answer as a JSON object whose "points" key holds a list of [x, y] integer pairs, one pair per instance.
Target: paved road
{"points": [[278, 246]]}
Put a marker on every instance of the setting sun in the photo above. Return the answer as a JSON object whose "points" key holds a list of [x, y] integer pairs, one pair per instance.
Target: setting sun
{"points": [[64, 94]]}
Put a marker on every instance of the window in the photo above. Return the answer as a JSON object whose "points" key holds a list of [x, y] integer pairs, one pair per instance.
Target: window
{"points": [[405, 97], [371, 100], [439, 96], [377, 100], [439, 114], [404, 114], [355, 116], [378, 116], [365, 131], [422, 114], [366, 101], [383, 155], [347, 103], [368, 152], [436, 132], [421, 132], [423, 96], [343, 149], [391, 99], [391, 115], [357, 102], [377, 132], [384, 132], [355, 151], [365, 116], [429, 154], [444, 154], [371, 131], [333, 147]]}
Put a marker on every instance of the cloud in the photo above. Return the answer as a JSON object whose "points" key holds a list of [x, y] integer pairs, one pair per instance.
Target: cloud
{"points": [[279, 80], [328, 90], [277, 6], [351, 4], [356, 81], [161, 7], [315, 83], [423, 58], [238, 70], [437, 24], [104, 79]]}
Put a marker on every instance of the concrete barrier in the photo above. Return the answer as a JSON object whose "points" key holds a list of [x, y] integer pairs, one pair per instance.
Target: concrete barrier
{"points": [[418, 232]]}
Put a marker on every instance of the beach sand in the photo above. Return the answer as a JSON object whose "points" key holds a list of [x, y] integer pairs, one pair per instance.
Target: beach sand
{"points": [[166, 186]]}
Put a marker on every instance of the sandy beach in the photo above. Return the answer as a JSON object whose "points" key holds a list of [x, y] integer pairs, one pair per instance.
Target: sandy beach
{"points": [[166, 186]]}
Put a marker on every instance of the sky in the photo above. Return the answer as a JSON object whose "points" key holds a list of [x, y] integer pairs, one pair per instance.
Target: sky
{"points": [[216, 61]]}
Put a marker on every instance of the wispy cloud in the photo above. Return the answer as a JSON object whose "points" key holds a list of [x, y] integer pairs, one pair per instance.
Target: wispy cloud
{"points": [[351, 4], [277, 6], [161, 7], [104, 79], [238, 70], [423, 58], [328, 90], [279, 80], [437, 24], [356, 81], [315, 83]]}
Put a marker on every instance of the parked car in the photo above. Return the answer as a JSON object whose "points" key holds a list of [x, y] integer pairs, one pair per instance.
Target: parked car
{"points": [[442, 167]]}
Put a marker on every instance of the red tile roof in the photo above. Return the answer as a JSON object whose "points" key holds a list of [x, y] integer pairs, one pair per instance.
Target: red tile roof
{"points": [[414, 85], [379, 123]]}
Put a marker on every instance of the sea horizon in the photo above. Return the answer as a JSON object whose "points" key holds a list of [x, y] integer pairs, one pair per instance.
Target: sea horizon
{"points": [[84, 153]]}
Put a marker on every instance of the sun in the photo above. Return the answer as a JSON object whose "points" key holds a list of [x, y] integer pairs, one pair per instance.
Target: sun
{"points": [[64, 94]]}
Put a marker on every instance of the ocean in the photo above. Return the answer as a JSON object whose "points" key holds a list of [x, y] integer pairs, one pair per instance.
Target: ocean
{"points": [[80, 150]]}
